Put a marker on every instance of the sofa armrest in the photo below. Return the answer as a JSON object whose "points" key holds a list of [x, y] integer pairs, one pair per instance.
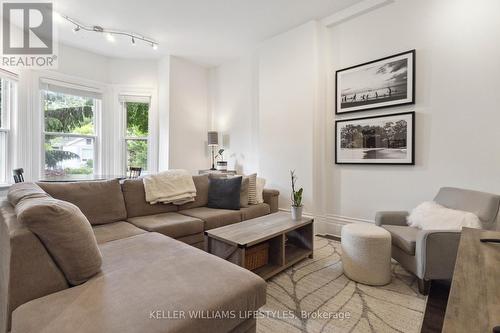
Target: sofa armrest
{"points": [[271, 198], [436, 252], [391, 218]]}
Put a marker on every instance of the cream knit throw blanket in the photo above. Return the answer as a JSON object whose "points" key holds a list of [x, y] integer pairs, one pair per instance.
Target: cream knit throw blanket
{"points": [[172, 186]]}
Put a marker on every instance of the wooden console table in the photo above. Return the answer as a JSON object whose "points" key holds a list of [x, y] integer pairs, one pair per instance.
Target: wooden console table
{"points": [[474, 301], [289, 241]]}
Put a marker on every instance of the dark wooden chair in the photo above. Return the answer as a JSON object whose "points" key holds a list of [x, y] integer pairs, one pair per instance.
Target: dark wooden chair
{"points": [[18, 175], [134, 172]]}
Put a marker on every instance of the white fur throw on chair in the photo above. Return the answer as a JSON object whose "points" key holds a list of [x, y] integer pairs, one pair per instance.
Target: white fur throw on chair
{"points": [[432, 216]]}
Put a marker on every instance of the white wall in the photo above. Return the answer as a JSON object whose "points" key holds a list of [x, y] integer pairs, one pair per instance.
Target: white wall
{"points": [[287, 83], [234, 112], [457, 100], [188, 116], [456, 103], [91, 66], [80, 63]]}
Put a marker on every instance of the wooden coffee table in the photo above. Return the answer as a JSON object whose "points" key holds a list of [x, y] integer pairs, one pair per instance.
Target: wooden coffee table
{"points": [[289, 241]]}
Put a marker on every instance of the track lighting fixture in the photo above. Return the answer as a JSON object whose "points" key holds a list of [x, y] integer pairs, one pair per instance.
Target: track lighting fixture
{"points": [[109, 33]]}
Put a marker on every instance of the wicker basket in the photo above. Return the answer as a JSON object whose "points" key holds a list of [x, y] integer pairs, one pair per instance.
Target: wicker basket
{"points": [[257, 256]]}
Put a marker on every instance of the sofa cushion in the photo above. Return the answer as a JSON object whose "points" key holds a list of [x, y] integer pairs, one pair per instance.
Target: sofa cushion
{"points": [[135, 200], [66, 233], [245, 182], [224, 193], [141, 275], [101, 202], [403, 237], [254, 211], [192, 239], [212, 217], [117, 230], [170, 224], [244, 191], [19, 191], [201, 199]]}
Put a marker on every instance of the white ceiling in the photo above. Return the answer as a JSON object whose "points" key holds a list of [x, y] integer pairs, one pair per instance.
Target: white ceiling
{"points": [[206, 31]]}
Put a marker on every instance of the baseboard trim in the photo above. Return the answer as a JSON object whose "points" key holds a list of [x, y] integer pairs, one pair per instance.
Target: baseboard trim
{"points": [[331, 224]]}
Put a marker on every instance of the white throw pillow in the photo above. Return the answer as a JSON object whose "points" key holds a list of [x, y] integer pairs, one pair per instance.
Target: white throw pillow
{"points": [[261, 182], [252, 189], [432, 216]]}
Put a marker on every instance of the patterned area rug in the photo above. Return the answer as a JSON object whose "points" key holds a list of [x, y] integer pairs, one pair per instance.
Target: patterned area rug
{"points": [[315, 296]]}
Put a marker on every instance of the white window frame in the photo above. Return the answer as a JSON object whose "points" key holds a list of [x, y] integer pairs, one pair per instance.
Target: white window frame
{"points": [[124, 99], [98, 104], [9, 82]]}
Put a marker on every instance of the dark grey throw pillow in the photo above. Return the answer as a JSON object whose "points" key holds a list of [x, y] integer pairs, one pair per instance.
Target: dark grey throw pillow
{"points": [[224, 193]]}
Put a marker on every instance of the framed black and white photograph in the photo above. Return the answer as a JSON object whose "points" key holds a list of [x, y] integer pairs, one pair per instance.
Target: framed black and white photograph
{"points": [[380, 83], [386, 139]]}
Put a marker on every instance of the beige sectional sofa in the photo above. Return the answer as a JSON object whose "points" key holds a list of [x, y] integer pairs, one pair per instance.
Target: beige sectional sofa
{"points": [[145, 276]]}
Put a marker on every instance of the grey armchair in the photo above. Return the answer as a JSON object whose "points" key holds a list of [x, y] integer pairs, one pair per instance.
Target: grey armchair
{"points": [[431, 254]]}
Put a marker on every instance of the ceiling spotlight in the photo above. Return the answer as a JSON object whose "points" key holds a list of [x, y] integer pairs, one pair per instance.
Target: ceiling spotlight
{"points": [[110, 37], [155, 46], [76, 29], [133, 41]]}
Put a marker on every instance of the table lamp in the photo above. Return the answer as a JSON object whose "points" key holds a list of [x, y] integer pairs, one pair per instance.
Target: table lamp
{"points": [[213, 141]]}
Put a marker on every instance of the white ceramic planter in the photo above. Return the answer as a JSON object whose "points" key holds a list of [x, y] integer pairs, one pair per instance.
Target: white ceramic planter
{"points": [[296, 213]]}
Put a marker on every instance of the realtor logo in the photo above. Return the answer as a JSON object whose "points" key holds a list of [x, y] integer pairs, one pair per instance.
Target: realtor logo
{"points": [[28, 35]]}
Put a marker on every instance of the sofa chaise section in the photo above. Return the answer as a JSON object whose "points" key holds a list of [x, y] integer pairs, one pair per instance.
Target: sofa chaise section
{"points": [[119, 213], [144, 279]]}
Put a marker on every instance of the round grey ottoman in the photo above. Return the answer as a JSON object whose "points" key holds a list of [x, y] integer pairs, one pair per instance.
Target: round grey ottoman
{"points": [[366, 253]]}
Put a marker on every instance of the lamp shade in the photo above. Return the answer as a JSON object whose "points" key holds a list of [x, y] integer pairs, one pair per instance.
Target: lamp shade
{"points": [[213, 138]]}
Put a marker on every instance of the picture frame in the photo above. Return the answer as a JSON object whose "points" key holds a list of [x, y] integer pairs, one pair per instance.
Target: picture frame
{"points": [[387, 139], [380, 83]]}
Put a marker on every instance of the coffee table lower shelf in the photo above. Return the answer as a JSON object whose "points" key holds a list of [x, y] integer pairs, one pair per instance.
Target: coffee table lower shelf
{"points": [[294, 257], [285, 248]]}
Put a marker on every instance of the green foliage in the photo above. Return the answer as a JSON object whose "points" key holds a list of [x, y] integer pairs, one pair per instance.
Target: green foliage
{"points": [[137, 126], [137, 119], [78, 171], [137, 154], [296, 195], [65, 114], [87, 129], [69, 120], [52, 157]]}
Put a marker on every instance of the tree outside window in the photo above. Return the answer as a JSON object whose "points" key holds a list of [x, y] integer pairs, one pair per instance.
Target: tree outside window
{"points": [[137, 132], [69, 133]]}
